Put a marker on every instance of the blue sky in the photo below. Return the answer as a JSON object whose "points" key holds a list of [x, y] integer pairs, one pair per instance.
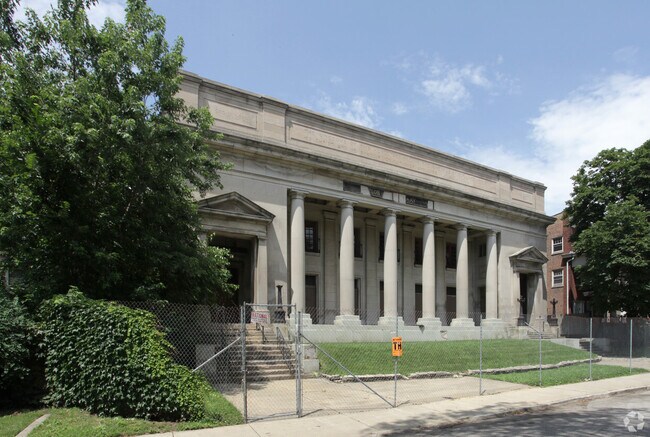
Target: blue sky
{"points": [[532, 88]]}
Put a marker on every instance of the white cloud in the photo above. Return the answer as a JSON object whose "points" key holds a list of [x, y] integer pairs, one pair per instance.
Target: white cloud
{"points": [[336, 80], [359, 111], [614, 112], [399, 108], [97, 14], [450, 87]]}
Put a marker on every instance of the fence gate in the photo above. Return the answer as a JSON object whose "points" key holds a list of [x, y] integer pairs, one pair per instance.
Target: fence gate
{"points": [[269, 363]]}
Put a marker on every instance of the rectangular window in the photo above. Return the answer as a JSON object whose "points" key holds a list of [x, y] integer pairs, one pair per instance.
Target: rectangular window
{"points": [[381, 298], [558, 246], [558, 278], [482, 250], [358, 247], [417, 256], [381, 246], [451, 256], [311, 237]]}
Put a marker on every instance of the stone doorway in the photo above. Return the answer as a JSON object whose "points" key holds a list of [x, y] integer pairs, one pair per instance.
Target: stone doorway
{"points": [[241, 268]]}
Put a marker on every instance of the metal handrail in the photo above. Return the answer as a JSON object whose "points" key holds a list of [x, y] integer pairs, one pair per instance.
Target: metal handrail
{"points": [[284, 348]]}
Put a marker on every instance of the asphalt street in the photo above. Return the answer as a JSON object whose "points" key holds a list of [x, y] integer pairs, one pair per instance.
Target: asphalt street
{"points": [[621, 415]]}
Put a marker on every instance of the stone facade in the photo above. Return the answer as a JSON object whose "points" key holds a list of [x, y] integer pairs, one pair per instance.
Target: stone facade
{"points": [[357, 227]]}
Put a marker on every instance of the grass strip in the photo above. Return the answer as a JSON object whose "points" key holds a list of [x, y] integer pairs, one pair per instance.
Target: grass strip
{"points": [[73, 422], [566, 375]]}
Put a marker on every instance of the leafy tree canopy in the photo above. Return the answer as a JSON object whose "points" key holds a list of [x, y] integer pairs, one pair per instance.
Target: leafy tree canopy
{"points": [[610, 210], [96, 173]]}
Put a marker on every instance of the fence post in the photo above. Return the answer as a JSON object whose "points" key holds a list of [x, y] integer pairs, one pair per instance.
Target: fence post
{"points": [[540, 358], [480, 359], [630, 319], [591, 342], [242, 315], [395, 364], [298, 347]]}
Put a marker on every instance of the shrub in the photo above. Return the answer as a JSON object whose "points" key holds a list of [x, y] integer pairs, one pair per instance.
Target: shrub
{"points": [[21, 370], [112, 360]]}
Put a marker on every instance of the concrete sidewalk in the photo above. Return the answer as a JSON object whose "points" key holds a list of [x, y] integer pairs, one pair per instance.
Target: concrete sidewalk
{"points": [[436, 414]]}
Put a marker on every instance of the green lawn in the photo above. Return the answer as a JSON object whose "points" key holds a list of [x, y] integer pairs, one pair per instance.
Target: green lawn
{"points": [[449, 356], [566, 375], [73, 422]]}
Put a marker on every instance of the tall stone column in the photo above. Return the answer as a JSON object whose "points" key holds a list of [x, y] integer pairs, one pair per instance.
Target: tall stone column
{"points": [[346, 266], [428, 275], [390, 268], [406, 290], [441, 277], [261, 268], [462, 279], [298, 252], [491, 303], [491, 285]]}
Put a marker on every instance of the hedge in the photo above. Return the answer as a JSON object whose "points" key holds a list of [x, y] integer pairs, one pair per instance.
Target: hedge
{"points": [[21, 369], [112, 360]]}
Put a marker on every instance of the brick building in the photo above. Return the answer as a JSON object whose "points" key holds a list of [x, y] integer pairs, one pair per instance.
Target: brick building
{"points": [[560, 279]]}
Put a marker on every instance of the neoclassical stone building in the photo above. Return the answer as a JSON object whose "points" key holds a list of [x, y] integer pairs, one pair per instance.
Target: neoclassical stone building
{"points": [[358, 227]]}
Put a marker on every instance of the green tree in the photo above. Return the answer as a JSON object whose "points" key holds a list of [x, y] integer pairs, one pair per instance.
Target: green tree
{"points": [[610, 210], [96, 172]]}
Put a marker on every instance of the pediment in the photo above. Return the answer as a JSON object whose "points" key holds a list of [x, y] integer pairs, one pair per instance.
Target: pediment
{"points": [[234, 205], [529, 254]]}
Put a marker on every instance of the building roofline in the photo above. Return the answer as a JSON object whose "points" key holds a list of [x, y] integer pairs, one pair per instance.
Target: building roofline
{"points": [[348, 125]]}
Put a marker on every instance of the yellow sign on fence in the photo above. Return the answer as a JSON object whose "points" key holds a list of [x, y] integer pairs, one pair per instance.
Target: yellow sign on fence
{"points": [[397, 346]]}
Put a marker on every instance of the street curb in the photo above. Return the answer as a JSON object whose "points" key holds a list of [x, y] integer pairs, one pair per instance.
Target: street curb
{"points": [[476, 418]]}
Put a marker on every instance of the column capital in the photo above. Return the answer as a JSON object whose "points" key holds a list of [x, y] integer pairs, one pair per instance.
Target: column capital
{"points": [[346, 203], [491, 233], [297, 194], [429, 219], [460, 226], [389, 212]]}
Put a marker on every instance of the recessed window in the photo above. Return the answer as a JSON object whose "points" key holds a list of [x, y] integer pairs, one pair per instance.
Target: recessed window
{"points": [[450, 259], [558, 278], [358, 247], [381, 246], [417, 255], [311, 237], [558, 245], [482, 250]]}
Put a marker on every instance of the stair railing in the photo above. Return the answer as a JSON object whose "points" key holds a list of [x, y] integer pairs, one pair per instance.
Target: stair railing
{"points": [[284, 348]]}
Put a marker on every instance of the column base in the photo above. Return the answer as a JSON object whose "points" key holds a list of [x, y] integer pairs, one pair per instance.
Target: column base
{"points": [[493, 324], [463, 322], [389, 321], [347, 320], [429, 322], [305, 319]]}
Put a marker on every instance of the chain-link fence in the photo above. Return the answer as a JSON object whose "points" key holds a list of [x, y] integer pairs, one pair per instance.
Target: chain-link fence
{"points": [[272, 361]]}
